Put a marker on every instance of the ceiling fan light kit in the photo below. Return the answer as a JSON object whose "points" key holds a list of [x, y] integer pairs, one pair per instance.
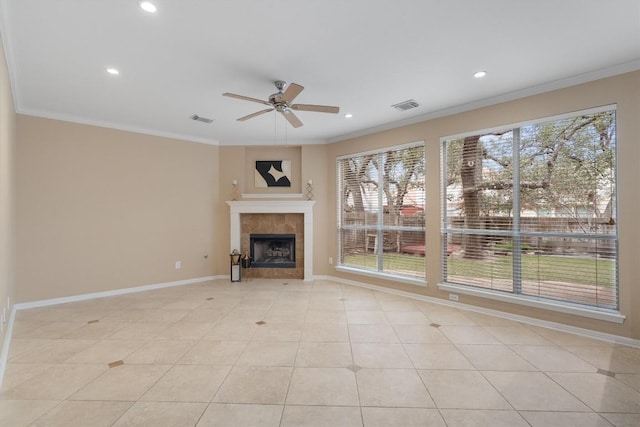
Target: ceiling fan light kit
{"points": [[281, 102]]}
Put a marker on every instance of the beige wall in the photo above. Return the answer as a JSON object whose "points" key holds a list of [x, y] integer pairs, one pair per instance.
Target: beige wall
{"points": [[272, 153], [7, 193], [308, 162], [622, 90], [314, 167], [102, 209]]}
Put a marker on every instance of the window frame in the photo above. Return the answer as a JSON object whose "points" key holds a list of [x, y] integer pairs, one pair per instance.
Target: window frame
{"points": [[607, 314], [379, 228]]}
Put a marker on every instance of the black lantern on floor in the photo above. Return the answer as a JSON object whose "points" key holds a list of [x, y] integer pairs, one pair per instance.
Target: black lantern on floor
{"points": [[235, 266]]}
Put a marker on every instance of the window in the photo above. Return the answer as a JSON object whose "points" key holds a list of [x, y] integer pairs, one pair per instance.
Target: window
{"points": [[381, 204], [531, 210]]}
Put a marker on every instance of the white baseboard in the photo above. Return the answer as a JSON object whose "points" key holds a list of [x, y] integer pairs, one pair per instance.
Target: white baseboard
{"points": [[530, 301], [616, 339], [116, 292], [4, 353], [602, 336]]}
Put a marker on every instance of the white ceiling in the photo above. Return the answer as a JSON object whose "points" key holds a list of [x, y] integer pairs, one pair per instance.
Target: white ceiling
{"points": [[361, 55]]}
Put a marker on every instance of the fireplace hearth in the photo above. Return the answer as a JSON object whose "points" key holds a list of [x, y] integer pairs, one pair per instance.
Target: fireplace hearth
{"points": [[273, 250]]}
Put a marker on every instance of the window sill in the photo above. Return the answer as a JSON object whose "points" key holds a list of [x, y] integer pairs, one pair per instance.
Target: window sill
{"points": [[567, 308], [379, 275]]}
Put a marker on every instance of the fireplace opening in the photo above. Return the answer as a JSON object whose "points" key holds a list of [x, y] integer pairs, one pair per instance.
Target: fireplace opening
{"points": [[273, 250]]}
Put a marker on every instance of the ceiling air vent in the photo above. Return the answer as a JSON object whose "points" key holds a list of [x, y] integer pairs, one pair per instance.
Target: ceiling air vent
{"points": [[406, 105], [197, 118]]}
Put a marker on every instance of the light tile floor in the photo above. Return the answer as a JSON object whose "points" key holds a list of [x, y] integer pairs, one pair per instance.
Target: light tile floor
{"points": [[275, 353]]}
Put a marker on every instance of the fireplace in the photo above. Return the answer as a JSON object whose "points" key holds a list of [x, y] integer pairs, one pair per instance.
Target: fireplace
{"points": [[304, 245], [273, 250]]}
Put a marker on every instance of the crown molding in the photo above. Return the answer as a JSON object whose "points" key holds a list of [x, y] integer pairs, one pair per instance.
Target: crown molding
{"points": [[624, 68], [116, 126]]}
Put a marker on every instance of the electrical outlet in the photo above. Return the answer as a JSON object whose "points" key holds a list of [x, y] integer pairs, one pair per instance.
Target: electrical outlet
{"points": [[178, 265], [453, 297], [330, 260]]}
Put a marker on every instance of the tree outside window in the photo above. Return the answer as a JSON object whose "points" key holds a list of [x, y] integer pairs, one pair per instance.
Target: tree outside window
{"points": [[381, 211], [532, 210]]}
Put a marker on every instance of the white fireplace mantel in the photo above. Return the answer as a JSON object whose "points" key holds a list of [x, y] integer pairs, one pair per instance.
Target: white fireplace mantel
{"points": [[278, 207]]}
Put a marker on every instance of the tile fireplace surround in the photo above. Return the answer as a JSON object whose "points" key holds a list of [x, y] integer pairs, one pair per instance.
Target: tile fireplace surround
{"points": [[275, 207]]}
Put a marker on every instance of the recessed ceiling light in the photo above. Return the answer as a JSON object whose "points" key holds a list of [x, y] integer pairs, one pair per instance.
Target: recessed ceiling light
{"points": [[113, 71], [348, 115], [480, 74], [147, 6]]}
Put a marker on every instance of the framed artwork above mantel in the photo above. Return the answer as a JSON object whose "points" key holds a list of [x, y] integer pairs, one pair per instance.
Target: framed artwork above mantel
{"points": [[273, 173]]}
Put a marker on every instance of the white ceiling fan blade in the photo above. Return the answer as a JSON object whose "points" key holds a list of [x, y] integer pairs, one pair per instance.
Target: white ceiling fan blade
{"points": [[245, 98], [317, 108], [251, 116], [291, 118], [291, 92]]}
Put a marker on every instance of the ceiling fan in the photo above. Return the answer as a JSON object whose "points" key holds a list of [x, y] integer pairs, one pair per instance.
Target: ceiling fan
{"points": [[281, 102]]}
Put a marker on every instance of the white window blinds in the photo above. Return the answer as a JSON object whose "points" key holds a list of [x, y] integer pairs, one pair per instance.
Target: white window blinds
{"points": [[532, 210], [381, 203]]}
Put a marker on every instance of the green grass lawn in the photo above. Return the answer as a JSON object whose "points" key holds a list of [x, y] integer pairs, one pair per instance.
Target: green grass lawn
{"points": [[393, 262], [537, 268]]}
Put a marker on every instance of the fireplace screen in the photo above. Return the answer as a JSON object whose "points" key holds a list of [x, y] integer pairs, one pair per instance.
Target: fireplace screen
{"points": [[273, 250]]}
